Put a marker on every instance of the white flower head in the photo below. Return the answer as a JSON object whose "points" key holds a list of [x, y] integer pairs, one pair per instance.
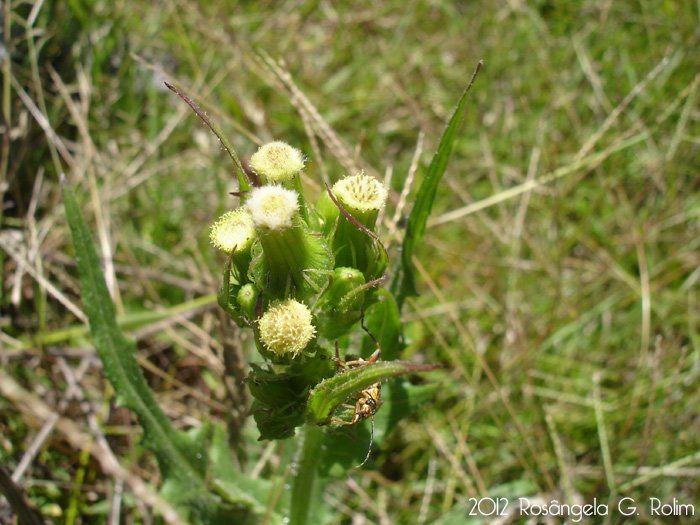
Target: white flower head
{"points": [[273, 207]]}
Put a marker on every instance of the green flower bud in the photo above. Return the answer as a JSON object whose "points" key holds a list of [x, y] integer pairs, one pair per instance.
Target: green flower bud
{"points": [[289, 260], [340, 305], [361, 196], [277, 162], [247, 298], [286, 328]]}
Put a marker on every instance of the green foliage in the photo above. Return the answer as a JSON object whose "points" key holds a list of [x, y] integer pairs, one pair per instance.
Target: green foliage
{"points": [[404, 282], [284, 401], [330, 393], [182, 458], [246, 495], [561, 241]]}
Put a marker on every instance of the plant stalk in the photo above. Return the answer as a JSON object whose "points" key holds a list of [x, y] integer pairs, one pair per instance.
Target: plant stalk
{"points": [[304, 481]]}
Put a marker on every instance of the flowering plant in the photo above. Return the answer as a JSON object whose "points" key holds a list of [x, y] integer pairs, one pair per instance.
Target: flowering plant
{"points": [[302, 277]]}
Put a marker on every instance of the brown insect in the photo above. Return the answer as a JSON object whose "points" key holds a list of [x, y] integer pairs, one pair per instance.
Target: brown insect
{"points": [[368, 402]]}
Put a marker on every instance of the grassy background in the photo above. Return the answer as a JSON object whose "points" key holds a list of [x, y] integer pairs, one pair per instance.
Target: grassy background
{"points": [[567, 310]]}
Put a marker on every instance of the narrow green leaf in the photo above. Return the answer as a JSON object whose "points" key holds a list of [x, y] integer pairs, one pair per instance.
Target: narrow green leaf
{"points": [[404, 282], [181, 459], [383, 321], [332, 392], [243, 182]]}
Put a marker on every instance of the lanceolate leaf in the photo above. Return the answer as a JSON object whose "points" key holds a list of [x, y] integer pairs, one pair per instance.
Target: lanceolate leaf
{"points": [[404, 282], [182, 460], [332, 392], [383, 321]]}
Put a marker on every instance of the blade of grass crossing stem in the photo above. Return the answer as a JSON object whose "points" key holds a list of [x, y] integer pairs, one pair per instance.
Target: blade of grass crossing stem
{"points": [[243, 182], [404, 283], [177, 457]]}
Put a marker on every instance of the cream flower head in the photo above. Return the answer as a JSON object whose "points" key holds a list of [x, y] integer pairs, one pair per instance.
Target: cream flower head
{"points": [[277, 161], [361, 192], [273, 207], [234, 228], [286, 327]]}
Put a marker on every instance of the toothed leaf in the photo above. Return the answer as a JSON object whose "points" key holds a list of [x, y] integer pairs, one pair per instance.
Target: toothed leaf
{"points": [[334, 391]]}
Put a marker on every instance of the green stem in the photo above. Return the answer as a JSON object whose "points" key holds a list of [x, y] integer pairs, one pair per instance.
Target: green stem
{"points": [[307, 466]]}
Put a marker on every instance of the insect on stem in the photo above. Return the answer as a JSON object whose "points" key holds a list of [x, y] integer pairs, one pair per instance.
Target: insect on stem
{"points": [[368, 402]]}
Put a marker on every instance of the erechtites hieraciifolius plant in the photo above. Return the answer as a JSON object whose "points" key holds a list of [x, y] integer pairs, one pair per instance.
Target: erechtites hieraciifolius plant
{"points": [[301, 277]]}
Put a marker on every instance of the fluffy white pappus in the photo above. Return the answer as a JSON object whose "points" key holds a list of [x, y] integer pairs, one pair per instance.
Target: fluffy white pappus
{"points": [[273, 207]]}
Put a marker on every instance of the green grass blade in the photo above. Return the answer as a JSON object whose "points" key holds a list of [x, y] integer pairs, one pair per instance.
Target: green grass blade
{"points": [[181, 459], [243, 182], [404, 283]]}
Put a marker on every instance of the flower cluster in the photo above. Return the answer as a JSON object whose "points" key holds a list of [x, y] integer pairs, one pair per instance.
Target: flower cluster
{"points": [[299, 275]]}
